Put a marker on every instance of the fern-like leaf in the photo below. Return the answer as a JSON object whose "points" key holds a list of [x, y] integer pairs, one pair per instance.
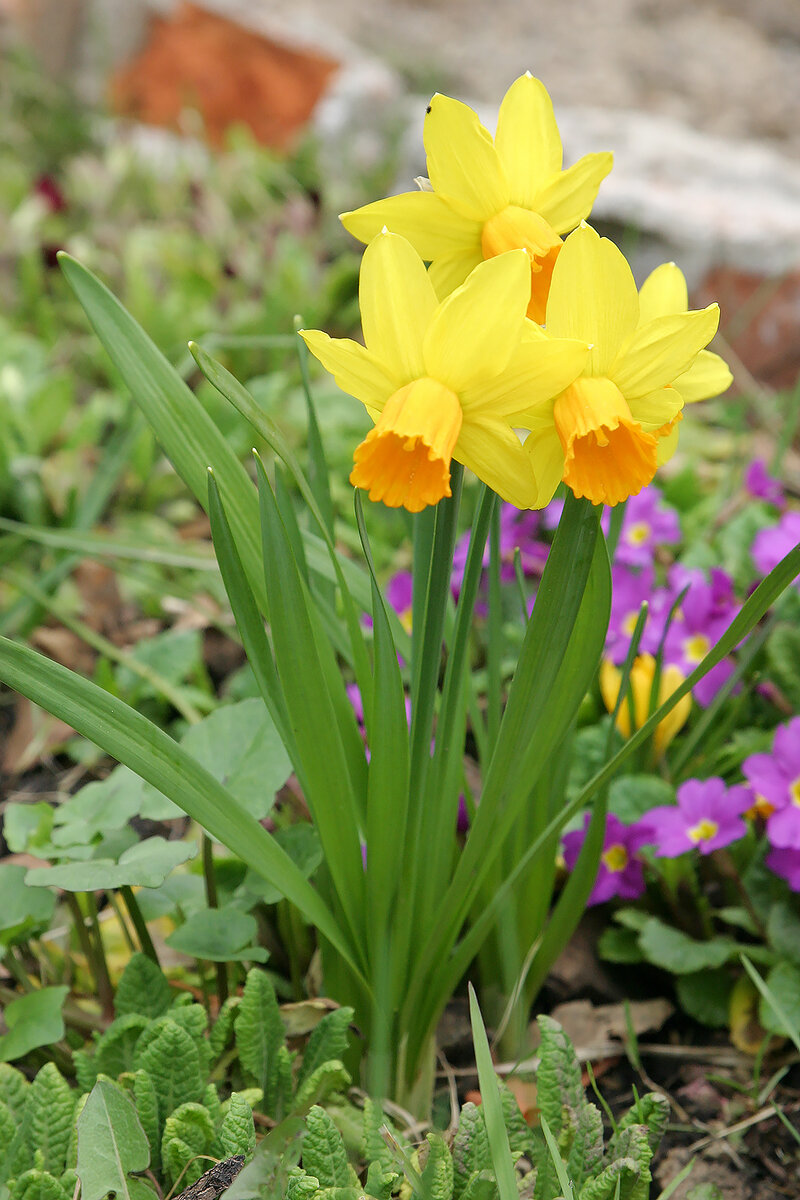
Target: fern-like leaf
{"points": [[188, 1132], [470, 1148], [328, 1040], [260, 1035], [14, 1089], [37, 1184], [237, 1133], [324, 1155], [222, 1030], [437, 1177], [48, 1117], [329, 1078], [145, 1100], [651, 1110], [173, 1063], [142, 989]]}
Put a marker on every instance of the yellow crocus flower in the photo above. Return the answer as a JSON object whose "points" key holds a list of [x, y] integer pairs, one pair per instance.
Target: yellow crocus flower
{"points": [[440, 378], [490, 195], [601, 434], [642, 677]]}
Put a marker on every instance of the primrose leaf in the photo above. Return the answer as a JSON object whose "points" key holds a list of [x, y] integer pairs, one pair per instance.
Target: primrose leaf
{"points": [[675, 951], [324, 1155], [143, 989], [706, 995], [240, 746], [219, 935], [26, 827], [783, 656], [145, 864], [630, 797], [98, 808], [33, 1020], [111, 1144], [21, 908], [783, 983], [301, 842], [783, 931]]}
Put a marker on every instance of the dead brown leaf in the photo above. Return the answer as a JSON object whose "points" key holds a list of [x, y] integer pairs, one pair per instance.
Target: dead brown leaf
{"points": [[589, 1025], [33, 735]]}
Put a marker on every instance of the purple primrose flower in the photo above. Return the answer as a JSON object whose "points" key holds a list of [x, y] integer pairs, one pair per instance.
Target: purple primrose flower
{"points": [[707, 816], [704, 614], [763, 486], [620, 870], [786, 864], [775, 778], [647, 523], [771, 545]]}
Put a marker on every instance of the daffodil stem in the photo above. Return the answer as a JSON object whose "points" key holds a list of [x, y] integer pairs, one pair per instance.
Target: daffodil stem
{"points": [[495, 647]]}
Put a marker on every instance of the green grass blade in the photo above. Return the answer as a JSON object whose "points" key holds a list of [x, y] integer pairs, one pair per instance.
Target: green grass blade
{"points": [[318, 472], [499, 1148], [98, 545], [182, 427], [133, 740], [310, 679]]}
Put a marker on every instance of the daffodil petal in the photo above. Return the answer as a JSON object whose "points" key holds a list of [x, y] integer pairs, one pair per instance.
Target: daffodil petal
{"points": [[593, 297], [476, 329], [527, 139], [423, 218], [546, 456], [493, 452], [538, 370], [355, 370], [463, 164], [708, 376], [566, 200], [397, 302], [657, 408], [449, 272], [662, 349], [663, 292], [668, 445]]}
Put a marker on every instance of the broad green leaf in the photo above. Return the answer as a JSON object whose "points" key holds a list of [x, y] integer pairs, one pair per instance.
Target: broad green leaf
{"points": [[779, 1008], [219, 935], [97, 808], [675, 951], [783, 931], [631, 796], [21, 908], [241, 747], [26, 827], [143, 988], [33, 1020], [111, 1145], [131, 738], [705, 996], [145, 864], [301, 842]]}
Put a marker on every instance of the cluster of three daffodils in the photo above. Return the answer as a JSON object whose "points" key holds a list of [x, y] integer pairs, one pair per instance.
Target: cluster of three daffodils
{"points": [[510, 328]]}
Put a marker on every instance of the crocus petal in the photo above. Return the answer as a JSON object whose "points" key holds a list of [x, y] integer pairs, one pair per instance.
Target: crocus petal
{"points": [[708, 376], [662, 349], [477, 328], [539, 369], [425, 219], [547, 460], [493, 452], [527, 139], [355, 370], [568, 198], [397, 302], [463, 164], [656, 408], [663, 293], [593, 297], [449, 271]]}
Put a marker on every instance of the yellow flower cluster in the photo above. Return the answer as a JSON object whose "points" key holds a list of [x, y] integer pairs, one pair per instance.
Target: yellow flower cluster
{"points": [[510, 328]]}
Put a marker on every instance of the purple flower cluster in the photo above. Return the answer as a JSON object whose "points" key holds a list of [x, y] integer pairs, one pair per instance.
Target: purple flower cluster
{"points": [[771, 545], [519, 530], [708, 815]]}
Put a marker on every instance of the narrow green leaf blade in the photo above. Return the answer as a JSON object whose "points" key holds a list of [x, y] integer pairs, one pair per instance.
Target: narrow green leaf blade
{"points": [[492, 1106]]}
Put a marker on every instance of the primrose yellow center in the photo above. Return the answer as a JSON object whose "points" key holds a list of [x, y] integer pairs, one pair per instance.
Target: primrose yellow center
{"points": [[616, 857], [516, 228], [696, 648], [703, 831], [794, 791], [639, 532], [405, 460], [607, 454]]}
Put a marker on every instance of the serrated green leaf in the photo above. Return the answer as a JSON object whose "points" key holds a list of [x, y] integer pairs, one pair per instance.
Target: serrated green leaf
{"points": [[328, 1040], [172, 1061], [116, 1049], [437, 1174], [48, 1117], [38, 1185], [143, 988], [111, 1144], [33, 1020], [324, 1155], [237, 1133], [222, 1029], [470, 1148], [188, 1132], [219, 935], [259, 1033], [329, 1077], [651, 1111], [14, 1091], [146, 1102]]}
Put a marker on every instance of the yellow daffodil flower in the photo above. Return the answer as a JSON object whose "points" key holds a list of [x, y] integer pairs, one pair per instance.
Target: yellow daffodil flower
{"points": [[439, 379], [601, 435], [490, 195], [642, 678]]}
